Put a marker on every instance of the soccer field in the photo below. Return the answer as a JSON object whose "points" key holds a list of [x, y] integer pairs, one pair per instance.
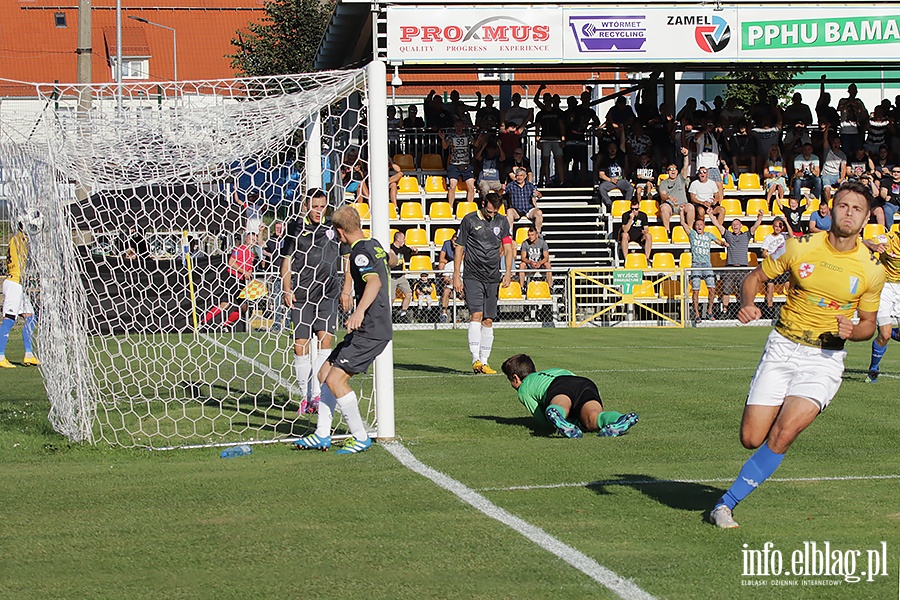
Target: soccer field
{"points": [[474, 502]]}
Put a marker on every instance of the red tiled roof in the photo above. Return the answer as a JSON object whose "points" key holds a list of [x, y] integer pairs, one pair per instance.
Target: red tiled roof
{"points": [[33, 49]]}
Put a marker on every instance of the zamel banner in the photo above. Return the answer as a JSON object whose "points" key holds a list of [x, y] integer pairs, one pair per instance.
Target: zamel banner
{"points": [[454, 35]]}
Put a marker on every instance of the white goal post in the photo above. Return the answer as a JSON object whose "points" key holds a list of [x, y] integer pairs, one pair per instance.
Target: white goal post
{"points": [[135, 198]]}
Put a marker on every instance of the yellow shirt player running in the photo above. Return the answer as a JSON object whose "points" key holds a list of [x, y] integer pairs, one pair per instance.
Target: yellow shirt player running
{"points": [[888, 248], [832, 276], [16, 302]]}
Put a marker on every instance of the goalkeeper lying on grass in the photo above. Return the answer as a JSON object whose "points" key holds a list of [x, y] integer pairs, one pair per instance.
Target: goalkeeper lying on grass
{"points": [[559, 398]]}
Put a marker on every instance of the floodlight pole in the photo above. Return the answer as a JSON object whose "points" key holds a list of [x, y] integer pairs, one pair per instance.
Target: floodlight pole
{"points": [[174, 45]]}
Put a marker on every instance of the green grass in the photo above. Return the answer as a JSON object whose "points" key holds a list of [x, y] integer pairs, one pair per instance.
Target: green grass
{"points": [[99, 522]]}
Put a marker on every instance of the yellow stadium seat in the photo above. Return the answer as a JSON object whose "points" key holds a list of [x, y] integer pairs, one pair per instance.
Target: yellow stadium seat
{"points": [[620, 207], [776, 208], [686, 260], [417, 238], [732, 207], [663, 260], [405, 162], [464, 208], [636, 260], [435, 184], [762, 232], [873, 230], [440, 210], [502, 210], [649, 207], [670, 289], [513, 292], [408, 185], [521, 235], [393, 231], [729, 185], [443, 234], [419, 262], [658, 234], [813, 205], [392, 211], [363, 209], [538, 290], [754, 205], [749, 181], [680, 236], [704, 290], [411, 211], [367, 233], [895, 227], [662, 177], [432, 162], [714, 230], [717, 259], [644, 290]]}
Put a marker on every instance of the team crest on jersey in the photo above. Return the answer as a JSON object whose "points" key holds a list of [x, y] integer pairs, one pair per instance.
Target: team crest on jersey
{"points": [[854, 284], [805, 270], [497, 230], [361, 260], [329, 233]]}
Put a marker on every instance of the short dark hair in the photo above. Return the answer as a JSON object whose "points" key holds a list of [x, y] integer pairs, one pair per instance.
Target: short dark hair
{"points": [[519, 364], [494, 199], [858, 188]]}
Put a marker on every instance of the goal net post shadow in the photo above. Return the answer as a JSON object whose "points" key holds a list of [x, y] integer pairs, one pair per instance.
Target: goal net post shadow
{"points": [[135, 199]]}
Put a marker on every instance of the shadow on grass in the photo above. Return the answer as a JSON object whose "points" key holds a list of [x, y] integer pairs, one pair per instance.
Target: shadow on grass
{"points": [[525, 422], [428, 368], [680, 495]]}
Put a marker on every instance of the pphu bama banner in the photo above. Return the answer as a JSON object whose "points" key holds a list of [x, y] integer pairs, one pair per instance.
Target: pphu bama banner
{"points": [[532, 34]]}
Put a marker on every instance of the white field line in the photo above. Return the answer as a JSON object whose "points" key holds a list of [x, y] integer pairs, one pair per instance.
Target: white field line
{"points": [[263, 369], [587, 565], [684, 369], [630, 482]]}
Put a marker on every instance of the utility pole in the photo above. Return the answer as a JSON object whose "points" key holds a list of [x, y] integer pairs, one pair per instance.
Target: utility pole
{"points": [[85, 78]]}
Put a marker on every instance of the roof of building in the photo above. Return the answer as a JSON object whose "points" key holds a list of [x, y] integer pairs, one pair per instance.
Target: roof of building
{"points": [[38, 38]]}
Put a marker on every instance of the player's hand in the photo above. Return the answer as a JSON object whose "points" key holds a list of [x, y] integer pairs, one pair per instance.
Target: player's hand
{"points": [[354, 321], [289, 299], [845, 327], [457, 284], [505, 282], [346, 301], [749, 313]]}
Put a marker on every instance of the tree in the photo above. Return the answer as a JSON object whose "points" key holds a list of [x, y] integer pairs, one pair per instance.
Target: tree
{"points": [[285, 41], [748, 84]]}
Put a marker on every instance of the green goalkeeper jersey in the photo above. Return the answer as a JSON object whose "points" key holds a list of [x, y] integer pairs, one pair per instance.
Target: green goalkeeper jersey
{"points": [[533, 392]]}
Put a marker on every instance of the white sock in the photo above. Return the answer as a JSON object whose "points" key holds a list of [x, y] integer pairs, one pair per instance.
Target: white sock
{"points": [[350, 408], [321, 357], [302, 370], [326, 412], [487, 342], [475, 339]]}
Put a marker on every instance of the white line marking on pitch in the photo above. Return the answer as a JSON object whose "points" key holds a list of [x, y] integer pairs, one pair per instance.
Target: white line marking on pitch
{"points": [[267, 371], [627, 482], [587, 565]]}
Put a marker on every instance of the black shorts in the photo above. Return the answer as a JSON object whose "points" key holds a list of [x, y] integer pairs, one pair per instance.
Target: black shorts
{"points": [[355, 353], [481, 297], [310, 317], [580, 390], [636, 234]]}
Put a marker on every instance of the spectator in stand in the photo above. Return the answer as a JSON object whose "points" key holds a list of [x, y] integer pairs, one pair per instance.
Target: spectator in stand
{"points": [[353, 174], [890, 195], [883, 164], [580, 118], [743, 147], [510, 138], [859, 165], [461, 110], [523, 196], [611, 169], [761, 109], [825, 113], [773, 245], [688, 112], [877, 131], [661, 129], [423, 288], [644, 178], [706, 196], [637, 141], [673, 193], [490, 155], [445, 266], [774, 174], [550, 132], [820, 220], [487, 118], [516, 115], [395, 174], [793, 215], [518, 161], [731, 116], [737, 243], [854, 120], [394, 124], [767, 135], [776, 112], [400, 255], [797, 111], [794, 140], [459, 167], [706, 140], [414, 128], [635, 225], [534, 255], [806, 173], [713, 112], [437, 116], [621, 116], [834, 167], [701, 242]]}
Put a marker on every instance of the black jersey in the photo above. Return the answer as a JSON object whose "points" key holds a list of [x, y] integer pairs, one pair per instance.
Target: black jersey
{"points": [[368, 258], [483, 241], [315, 251]]}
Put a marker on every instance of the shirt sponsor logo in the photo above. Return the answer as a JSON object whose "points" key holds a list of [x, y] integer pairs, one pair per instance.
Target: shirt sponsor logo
{"points": [[805, 270]]}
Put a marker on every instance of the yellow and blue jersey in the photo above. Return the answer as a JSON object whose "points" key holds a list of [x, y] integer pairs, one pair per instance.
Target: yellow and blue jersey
{"points": [[17, 256], [890, 258]]}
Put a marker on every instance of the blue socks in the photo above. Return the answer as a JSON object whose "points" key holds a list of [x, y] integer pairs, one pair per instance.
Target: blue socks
{"points": [[27, 333], [877, 355], [757, 469], [5, 328]]}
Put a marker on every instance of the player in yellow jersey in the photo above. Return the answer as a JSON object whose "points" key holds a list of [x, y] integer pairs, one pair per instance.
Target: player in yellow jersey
{"points": [[888, 248], [832, 276], [16, 302]]}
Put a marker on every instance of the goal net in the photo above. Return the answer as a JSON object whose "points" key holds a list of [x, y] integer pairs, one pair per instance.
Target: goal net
{"points": [[135, 198]]}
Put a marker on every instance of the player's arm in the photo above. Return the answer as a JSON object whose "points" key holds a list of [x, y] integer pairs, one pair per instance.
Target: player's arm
{"points": [[720, 227], [370, 292], [860, 332], [508, 253], [286, 286], [347, 286], [458, 257], [749, 311]]}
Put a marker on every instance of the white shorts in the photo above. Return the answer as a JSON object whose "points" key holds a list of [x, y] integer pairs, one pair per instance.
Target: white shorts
{"points": [[791, 369], [15, 301], [889, 306]]}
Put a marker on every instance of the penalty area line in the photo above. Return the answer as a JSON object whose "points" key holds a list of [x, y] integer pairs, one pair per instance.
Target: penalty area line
{"points": [[587, 565], [263, 369]]}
